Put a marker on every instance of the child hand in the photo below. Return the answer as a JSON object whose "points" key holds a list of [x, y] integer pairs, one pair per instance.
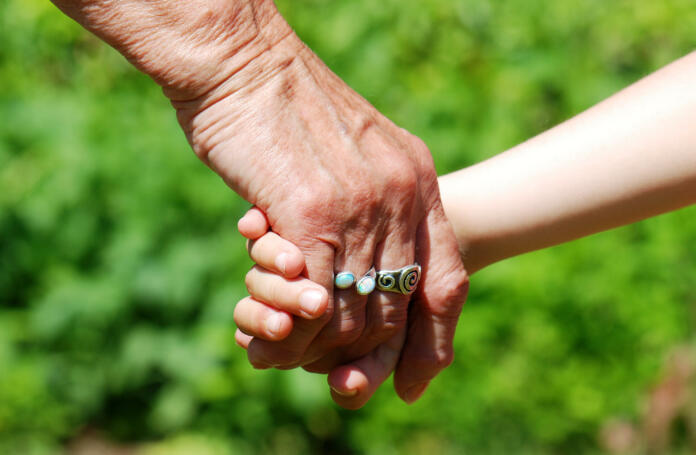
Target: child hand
{"points": [[275, 287], [277, 291]]}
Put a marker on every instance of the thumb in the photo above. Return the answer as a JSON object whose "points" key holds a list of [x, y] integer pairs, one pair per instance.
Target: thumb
{"points": [[352, 385]]}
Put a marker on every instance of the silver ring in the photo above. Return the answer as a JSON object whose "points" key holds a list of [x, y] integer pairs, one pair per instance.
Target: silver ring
{"points": [[366, 284], [402, 281]]}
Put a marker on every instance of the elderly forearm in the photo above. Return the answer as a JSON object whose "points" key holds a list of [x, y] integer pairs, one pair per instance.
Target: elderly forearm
{"points": [[188, 47], [628, 158]]}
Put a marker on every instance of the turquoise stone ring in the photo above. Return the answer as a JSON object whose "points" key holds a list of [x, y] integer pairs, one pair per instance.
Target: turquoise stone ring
{"points": [[344, 280]]}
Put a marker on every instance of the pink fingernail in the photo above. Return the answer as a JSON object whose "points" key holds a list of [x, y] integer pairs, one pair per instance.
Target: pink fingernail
{"points": [[281, 262], [274, 324], [415, 392], [310, 302], [241, 221]]}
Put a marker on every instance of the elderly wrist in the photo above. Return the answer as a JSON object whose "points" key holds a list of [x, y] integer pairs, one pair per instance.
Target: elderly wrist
{"points": [[223, 45], [186, 47]]}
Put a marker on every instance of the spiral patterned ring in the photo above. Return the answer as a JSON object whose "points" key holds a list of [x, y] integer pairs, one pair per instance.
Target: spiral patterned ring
{"points": [[409, 280], [385, 281], [403, 281]]}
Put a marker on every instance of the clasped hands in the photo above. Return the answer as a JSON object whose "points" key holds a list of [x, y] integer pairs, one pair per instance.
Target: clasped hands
{"points": [[350, 190], [332, 176], [339, 187], [343, 189], [279, 291]]}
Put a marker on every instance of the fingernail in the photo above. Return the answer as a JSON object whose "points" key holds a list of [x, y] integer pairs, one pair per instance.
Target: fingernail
{"points": [[274, 323], [241, 220], [310, 301], [348, 394], [415, 392], [281, 262]]}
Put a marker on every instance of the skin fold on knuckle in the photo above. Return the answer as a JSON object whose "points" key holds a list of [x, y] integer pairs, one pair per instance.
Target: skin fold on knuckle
{"points": [[430, 361], [346, 330], [391, 319], [341, 331], [318, 202], [453, 295], [444, 289], [400, 187]]}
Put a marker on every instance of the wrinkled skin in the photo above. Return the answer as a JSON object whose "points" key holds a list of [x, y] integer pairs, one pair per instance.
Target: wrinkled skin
{"points": [[332, 174]]}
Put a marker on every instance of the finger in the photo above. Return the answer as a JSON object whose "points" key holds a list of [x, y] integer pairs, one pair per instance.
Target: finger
{"points": [[261, 321], [348, 321], [242, 339], [298, 296], [274, 253], [253, 224], [319, 257], [434, 310], [387, 312], [354, 384]]}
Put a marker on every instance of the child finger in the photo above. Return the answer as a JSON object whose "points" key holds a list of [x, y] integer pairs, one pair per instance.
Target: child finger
{"points": [[298, 296], [242, 339], [258, 320], [253, 224], [276, 254]]}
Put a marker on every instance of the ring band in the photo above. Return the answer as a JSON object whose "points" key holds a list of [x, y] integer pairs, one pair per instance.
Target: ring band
{"points": [[402, 281]]}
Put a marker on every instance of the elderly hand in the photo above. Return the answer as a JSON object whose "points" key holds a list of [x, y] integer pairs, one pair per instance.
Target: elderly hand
{"points": [[334, 176]]}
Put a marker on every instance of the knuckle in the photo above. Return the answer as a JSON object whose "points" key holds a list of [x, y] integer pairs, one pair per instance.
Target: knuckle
{"points": [[273, 295], [414, 141], [398, 187], [348, 333], [344, 330], [459, 285], [391, 319], [443, 358], [451, 294], [436, 359], [419, 144], [421, 150], [362, 195], [311, 202], [402, 179]]}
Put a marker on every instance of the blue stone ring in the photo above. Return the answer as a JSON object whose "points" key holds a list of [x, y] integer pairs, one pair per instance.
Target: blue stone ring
{"points": [[402, 281], [344, 280]]}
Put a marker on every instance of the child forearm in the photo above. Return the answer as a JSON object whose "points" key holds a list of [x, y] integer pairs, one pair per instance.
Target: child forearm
{"points": [[628, 158]]}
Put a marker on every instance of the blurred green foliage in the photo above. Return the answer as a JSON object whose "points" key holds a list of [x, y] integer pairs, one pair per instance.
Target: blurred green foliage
{"points": [[120, 263]]}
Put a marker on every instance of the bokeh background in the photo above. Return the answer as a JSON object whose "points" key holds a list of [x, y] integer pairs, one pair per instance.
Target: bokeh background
{"points": [[120, 263]]}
